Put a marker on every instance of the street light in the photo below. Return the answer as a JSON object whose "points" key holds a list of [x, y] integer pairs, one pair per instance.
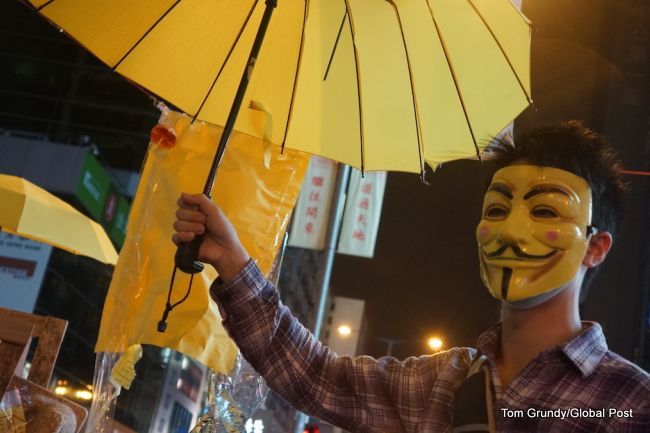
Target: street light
{"points": [[344, 338], [344, 330], [435, 343]]}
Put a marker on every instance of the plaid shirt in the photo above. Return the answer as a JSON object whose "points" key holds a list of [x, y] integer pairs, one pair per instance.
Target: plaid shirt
{"points": [[571, 388]]}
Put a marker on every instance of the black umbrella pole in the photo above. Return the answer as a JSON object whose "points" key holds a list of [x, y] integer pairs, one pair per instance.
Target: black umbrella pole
{"points": [[239, 96], [187, 254]]}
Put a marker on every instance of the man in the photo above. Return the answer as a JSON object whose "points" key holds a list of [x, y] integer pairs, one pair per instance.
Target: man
{"points": [[549, 217]]}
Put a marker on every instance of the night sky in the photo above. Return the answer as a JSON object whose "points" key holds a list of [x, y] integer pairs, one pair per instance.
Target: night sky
{"points": [[424, 276]]}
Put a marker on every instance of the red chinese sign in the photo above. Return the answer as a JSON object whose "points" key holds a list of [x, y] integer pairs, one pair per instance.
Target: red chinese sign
{"points": [[313, 206], [362, 214]]}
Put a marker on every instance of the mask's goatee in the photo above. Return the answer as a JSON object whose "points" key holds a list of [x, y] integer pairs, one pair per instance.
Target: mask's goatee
{"points": [[505, 282]]}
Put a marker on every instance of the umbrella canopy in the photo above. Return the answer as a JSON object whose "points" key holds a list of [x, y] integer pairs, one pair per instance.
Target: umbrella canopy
{"points": [[379, 85], [31, 212]]}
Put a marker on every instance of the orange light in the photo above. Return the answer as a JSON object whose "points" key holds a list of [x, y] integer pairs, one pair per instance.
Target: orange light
{"points": [[84, 394], [435, 343], [344, 330]]}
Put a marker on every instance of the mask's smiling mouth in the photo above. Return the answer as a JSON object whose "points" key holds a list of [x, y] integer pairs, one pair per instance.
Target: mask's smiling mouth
{"points": [[519, 254]]}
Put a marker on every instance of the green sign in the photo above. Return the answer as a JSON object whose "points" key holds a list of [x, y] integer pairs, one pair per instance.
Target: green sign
{"points": [[117, 230], [94, 184], [102, 199]]}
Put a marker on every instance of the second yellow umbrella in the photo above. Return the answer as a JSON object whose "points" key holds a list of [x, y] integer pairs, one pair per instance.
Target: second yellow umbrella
{"points": [[31, 212]]}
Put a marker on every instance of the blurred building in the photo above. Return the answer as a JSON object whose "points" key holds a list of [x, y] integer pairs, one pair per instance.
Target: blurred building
{"points": [[345, 328], [298, 286], [345, 333], [181, 396], [53, 89]]}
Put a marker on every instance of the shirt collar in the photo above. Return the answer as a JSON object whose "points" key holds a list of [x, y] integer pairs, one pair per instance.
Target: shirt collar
{"points": [[488, 342], [587, 348], [584, 351]]}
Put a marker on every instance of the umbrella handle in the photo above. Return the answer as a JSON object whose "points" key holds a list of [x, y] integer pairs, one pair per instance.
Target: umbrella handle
{"points": [[187, 256]]}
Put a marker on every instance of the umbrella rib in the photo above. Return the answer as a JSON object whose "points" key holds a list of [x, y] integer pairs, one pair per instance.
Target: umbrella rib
{"points": [[496, 40], [41, 7], [336, 44], [295, 78], [230, 51], [416, 112], [148, 92], [356, 68], [144, 35], [453, 76]]}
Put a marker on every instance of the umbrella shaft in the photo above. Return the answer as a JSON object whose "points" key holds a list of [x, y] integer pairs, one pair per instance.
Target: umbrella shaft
{"points": [[239, 96]]}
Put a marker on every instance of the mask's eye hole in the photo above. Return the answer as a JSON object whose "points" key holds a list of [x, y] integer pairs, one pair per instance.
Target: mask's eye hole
{"points": [[496, 211], [543, 212]]}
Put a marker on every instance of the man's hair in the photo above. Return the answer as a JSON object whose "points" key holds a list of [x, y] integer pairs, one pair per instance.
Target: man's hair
{"points": [[572, 147]]}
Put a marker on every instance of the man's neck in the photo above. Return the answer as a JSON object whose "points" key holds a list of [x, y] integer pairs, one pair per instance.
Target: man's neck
{"points": [[525, 333]]}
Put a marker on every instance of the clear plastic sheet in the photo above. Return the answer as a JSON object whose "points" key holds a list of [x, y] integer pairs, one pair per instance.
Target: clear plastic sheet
{"points": [[233, 398], [106, 391], [12, 409]]}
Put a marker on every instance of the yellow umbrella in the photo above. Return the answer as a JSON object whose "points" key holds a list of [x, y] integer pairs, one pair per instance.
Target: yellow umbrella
{"points": [[31, 212], [379, 85]]}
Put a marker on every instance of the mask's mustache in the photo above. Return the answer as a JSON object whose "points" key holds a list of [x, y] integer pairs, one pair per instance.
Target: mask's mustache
{"points": [[518, 252]]}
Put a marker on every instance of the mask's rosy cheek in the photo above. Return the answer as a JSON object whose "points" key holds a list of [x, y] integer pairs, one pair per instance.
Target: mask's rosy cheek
{"points": [[551, 235], [563, 236], [483, 233]]}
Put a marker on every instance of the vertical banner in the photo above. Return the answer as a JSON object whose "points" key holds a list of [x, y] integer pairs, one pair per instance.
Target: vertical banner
{"points": [[22, 267], [362, 213], [312, 210]]}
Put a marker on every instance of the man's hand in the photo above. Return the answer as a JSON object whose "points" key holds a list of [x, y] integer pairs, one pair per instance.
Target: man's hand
{"points": [[198, 215]]}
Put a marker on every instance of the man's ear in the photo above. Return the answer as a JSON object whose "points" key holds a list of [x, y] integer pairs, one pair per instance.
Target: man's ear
{"points": [[599, 246]]}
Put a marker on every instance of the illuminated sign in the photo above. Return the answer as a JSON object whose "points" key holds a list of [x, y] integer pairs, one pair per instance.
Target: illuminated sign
{"points": [[94, 184], [254, 426], [22, 266]]}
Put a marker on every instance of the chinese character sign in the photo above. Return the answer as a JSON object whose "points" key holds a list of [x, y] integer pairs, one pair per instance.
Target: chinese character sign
{"points": [[311, 214], [362, 213]]}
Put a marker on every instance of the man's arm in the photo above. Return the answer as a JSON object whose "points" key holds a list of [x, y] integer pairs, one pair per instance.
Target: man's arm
{"points": [[349, 392], [345, 391]]}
